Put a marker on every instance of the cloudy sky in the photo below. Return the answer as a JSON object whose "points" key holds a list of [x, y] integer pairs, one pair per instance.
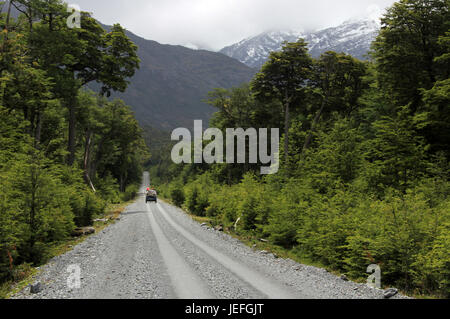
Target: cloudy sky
{"points": [[213, 24]]}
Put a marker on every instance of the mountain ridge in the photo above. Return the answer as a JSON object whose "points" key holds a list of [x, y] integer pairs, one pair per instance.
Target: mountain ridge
{"points": [[353, 37], [173, 81]]}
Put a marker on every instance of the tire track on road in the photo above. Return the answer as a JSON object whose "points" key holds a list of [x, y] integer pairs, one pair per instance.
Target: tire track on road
{"points": [[258, 281], [221, 282], [185, 281]]}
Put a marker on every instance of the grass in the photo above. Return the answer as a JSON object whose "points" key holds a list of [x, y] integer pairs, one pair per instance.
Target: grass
{"points": [[25, 273], [23, 276]]}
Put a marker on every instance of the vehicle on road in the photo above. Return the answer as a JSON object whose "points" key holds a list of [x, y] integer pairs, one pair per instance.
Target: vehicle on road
{"points": [[151, 196]]}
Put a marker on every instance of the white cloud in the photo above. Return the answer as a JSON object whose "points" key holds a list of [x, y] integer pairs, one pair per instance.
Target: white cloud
{"points": [[213, 24], [374, 11]]}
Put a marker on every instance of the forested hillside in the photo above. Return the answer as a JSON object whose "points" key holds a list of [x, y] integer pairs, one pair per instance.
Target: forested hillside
{"points": [[169, 89], [65, 152], [365, 150]]}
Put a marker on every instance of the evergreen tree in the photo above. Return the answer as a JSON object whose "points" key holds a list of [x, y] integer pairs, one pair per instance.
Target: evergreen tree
{"points": [[284, 78], [407, 46]]}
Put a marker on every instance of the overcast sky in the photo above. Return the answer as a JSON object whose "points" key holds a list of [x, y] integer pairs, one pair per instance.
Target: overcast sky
{"points": [[213, 24]]}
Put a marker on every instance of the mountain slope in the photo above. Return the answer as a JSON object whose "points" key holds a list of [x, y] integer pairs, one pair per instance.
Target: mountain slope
{"points": [[352, 37], [168, 90], [252, 51]]}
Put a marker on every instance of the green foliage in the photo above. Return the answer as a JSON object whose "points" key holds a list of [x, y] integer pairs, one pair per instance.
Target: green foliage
{"points": [[284, 218], [432, 268], [85, 206], [42, 203], [130, 192], [197, 194], [407, 46], [108, 189], [437, 116], [224, 204], [284, 78], [396, 155], [252, 208], [339, 78], [367, 176], [43, 64], [176, 193]]}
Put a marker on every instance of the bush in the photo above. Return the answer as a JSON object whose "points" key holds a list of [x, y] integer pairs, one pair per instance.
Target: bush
{"points": [[197, 194], [432, 268], [130, 192], [108, 189], [176, 193], [86, 205], [346, 229], [254, 203], [41, 210], [224, 204], [191, 192]]}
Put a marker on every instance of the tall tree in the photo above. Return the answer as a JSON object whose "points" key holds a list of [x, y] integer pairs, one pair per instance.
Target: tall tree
{"points": [[397, 153], [338, 81], [284, 77], [26, 87], [74, 57], [407, 46], [437, 103]]}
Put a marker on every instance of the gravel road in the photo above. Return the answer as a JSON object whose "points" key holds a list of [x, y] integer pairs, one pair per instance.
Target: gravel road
{"points": [[157, 251]]}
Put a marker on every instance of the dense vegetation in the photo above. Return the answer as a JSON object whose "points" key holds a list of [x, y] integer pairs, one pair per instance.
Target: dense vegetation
{"points": [[65, 152], [364, 177]]}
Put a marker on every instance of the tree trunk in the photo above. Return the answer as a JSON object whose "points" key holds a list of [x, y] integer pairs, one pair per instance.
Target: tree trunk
{"points": [[30, 21], [87, 154], [8, 16], [122, 183], [72, 130], [313, 127], [31, 128], [32, 217], [50, 21], [286, 129], [93, 165], [38, 130]]}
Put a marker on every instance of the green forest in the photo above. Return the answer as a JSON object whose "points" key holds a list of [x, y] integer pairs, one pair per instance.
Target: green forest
{"points": [[365, 148], [66, 153]]}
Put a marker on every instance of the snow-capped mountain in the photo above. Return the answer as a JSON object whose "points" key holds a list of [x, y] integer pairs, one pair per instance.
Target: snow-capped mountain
{"points": [[352, 37], [254, 51]]}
